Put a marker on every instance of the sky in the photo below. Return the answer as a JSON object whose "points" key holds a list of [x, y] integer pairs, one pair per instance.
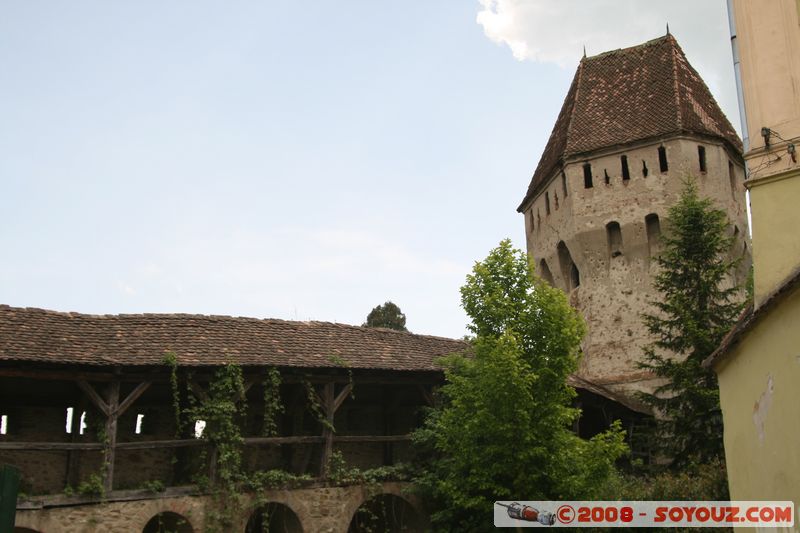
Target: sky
{"points": [[297, 160]]}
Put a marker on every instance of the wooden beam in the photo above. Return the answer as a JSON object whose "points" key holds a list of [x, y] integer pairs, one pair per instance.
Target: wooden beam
{"points": [[185, 443], [51, 446], [133, 396], [342, 396], [161, 374], [426, 394], [371, 438], [303, 439], [96, 399], [153, 444], [55, 375], [111, 435], [198, 390]]}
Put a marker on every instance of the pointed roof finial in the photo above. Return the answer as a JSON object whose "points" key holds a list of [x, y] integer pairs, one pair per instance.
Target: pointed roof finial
{"points": [[584, 51], [668, 28]]}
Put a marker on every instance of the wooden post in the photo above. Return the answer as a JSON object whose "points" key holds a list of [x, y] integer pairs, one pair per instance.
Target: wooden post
{"points": [[73, 456], [386, 422], [330, 404], [112, 408], [111, 435], [293, 419], [329, 410]]}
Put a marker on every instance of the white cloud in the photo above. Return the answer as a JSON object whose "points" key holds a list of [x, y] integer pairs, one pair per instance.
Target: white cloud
{"points": [[126, 289], [556, 31]]}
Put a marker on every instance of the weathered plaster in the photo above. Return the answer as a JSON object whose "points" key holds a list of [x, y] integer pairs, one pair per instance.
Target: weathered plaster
{"points": [[615, 289]]}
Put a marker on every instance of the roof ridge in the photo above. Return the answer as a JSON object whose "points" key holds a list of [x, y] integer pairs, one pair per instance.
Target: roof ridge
{"points": [[76, 314], [645, 44], [578, 79], [676, 86]]}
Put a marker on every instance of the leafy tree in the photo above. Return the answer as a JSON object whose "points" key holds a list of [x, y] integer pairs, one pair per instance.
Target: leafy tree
{"points": [[387, 315], [698, 306], [502, 430]]}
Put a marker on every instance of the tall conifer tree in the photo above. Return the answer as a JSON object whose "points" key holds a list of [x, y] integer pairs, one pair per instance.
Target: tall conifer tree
{"points": [[698, 306]]}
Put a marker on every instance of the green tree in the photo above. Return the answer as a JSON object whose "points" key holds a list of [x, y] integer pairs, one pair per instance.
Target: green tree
{"points": [[387, 315], [502, 429], [698, 306]]}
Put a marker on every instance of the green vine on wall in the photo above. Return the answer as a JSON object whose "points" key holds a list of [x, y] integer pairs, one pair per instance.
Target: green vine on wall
{"points": [[272, 402], [314, 405], [171, 360]]}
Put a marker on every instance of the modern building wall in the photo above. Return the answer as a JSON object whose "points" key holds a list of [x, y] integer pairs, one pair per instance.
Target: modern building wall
{"points": [[759, 370], [760, 400], [768, 36]]}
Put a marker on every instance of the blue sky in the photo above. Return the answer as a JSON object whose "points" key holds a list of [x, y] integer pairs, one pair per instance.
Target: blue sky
{"points": [[296, 160]]}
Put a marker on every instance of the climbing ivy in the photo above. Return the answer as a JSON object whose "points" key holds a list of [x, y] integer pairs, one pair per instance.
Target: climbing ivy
{"points": [[171, 360], [272, 402], [224, 410], [314, 405]]}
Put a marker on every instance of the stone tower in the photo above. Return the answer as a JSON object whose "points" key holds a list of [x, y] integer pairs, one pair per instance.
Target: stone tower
{"points": [[634, 124]]}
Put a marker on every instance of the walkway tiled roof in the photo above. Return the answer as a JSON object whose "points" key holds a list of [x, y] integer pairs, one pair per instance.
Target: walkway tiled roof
{"points": [[629, 95], [37, 335]]}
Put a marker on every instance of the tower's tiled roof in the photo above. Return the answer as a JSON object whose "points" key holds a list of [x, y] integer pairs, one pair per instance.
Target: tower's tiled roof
{"points": [[36, 335], [629, 95]]}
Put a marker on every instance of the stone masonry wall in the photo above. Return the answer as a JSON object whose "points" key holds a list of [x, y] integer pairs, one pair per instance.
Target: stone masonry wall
{"points": [[615, 290], [322, 509]]}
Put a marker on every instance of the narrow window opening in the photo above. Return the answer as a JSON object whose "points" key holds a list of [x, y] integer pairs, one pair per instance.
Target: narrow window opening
{"points": [[644, 168], [544, 272], [555, 199], [531, 224], [614, 234], [587, 175], [732, 178], [82, 426], [606, 177], [564, 183], [199, 426], [68, 426], [539, 219], [574, 276], [626, 173], [4, 425], [547, 203], [569, 271], [662, 159], [139, 419], [701, 156], [653, 227]]}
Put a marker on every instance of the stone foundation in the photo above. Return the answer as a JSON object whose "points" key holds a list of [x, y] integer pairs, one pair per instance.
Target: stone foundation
{"points": [[318, 509]]}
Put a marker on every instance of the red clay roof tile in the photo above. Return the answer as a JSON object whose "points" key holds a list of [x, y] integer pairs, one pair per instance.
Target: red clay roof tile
{"points": [[630, 95], [38, 335]]}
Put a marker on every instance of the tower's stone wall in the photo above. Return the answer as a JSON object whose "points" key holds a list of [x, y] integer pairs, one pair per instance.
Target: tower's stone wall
{"points": [[615, 269]]}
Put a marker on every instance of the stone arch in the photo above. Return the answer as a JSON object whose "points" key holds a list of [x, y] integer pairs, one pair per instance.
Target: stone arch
{"points": [[168, 522], [273, 517], [386, 512], [569, 270]]}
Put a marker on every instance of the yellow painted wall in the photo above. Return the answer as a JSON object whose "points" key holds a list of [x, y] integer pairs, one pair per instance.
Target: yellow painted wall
{"points": [[776, 230], [759, 384], [768, 37]]}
